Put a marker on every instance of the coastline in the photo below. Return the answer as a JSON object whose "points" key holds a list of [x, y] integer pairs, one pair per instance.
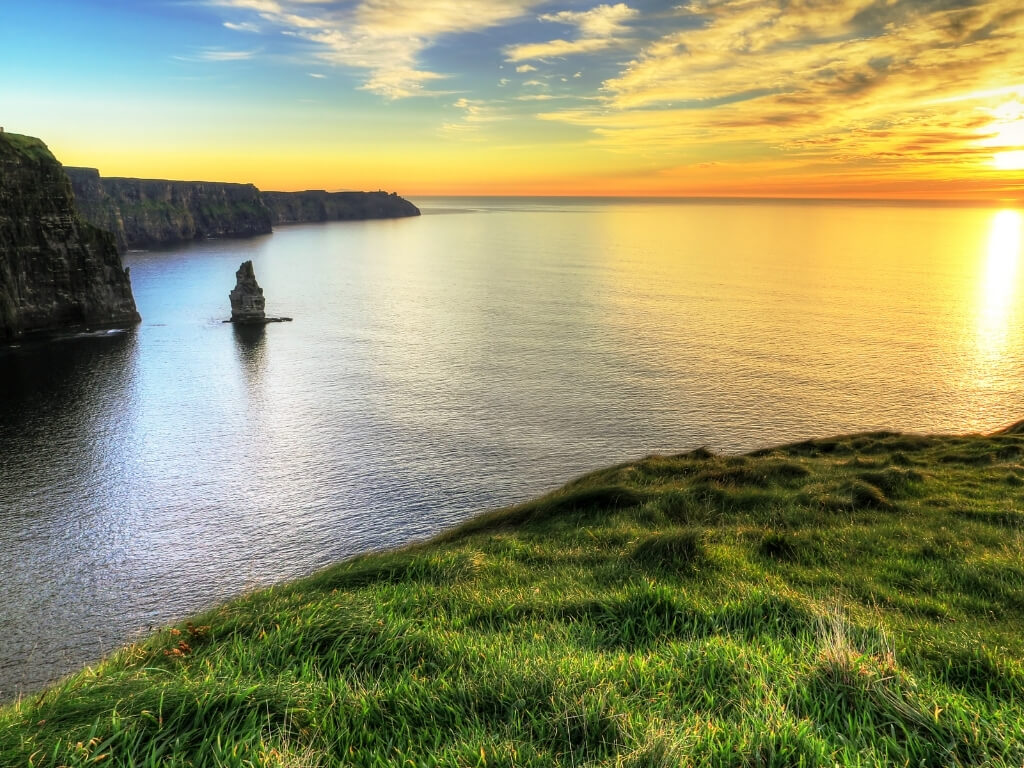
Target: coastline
{"points": [[753, 592]]}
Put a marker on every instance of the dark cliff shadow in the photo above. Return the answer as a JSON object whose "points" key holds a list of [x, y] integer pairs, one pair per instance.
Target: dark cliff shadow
{"points": [[61, 398], [47, 378]]}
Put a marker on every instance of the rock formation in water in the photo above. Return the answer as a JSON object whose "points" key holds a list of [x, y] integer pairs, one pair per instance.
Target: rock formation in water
{"points": [[56, 271], [318, 205], [148, 213], [247, 302]]}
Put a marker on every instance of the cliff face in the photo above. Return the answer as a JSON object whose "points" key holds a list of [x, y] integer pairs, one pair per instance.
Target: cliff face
{"points": [[318, 205], [56, 271], [145, 213]]}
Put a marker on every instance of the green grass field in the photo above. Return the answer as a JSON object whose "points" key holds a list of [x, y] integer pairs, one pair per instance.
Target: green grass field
{"points": [[855, 601]]}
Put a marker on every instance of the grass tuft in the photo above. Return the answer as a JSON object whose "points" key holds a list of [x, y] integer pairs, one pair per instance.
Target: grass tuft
{"points": [[865, 494], [682, 552]]}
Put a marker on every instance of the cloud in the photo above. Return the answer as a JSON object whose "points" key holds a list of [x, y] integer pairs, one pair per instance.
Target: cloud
{"points": [[475, 114], [603, 21], [317, 75], [244, 26], [433, 18], [599, 28], [555, 48], [261, 6], [386, 38], [526, 68], [900, 83], [218, 54]]}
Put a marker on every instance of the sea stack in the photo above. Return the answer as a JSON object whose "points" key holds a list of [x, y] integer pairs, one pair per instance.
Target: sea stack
{"points": [[247, 302]]}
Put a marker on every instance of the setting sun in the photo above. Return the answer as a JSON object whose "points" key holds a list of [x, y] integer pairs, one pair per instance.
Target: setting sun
{"points": [[1007, 136], [1009, 161]]}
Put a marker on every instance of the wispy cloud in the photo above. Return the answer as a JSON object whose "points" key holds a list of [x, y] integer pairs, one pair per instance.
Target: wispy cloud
{"points": [[475, 114], [602, 21], [599, 28], [386, 38], [244, 26], [217, 54]]}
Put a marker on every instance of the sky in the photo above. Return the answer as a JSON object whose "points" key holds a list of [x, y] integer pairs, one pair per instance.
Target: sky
{"points": [[788, 98]]}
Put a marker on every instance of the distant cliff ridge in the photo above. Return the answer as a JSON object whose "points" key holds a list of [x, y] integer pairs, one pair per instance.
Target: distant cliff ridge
{"points": [[319, 205], [147, 213], [144, 213], [56, 270]]}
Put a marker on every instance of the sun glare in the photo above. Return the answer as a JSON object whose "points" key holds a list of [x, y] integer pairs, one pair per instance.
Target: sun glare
{"points": [[1003, 257], [999, 285], [1009, 161], [1008, 136]]}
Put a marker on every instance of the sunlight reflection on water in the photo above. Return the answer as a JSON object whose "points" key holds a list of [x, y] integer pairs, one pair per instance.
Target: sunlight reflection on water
{"points": [[999, 286], [997, 314]]}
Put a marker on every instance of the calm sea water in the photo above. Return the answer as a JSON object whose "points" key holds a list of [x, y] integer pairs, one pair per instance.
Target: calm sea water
{"points": [[476, 356]]}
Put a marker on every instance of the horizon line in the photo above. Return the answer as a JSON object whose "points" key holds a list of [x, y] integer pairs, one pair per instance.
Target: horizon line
{"points": [[1017, 201]]}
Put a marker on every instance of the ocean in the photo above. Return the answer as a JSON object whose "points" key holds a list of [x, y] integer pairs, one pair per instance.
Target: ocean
{"points": [[483, 353]]}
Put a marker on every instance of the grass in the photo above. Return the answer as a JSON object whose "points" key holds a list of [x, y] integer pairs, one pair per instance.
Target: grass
{"points": [[855, 601], [27, 147]]}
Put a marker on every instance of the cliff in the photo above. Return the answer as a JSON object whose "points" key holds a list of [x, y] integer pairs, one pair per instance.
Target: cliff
{"points": [[56, 271], [318, 205], [146, 213]]}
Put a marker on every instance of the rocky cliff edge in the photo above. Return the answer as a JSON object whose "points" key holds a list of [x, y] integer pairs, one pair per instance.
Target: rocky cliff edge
{"points": [[56, 270]]}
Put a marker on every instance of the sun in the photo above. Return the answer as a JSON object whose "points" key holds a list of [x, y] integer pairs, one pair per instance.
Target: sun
{"points": [[1008, 136], [1009, 161]]}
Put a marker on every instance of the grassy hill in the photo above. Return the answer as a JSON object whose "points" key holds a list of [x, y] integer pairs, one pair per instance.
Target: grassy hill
{"points": [[857, 600]]}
